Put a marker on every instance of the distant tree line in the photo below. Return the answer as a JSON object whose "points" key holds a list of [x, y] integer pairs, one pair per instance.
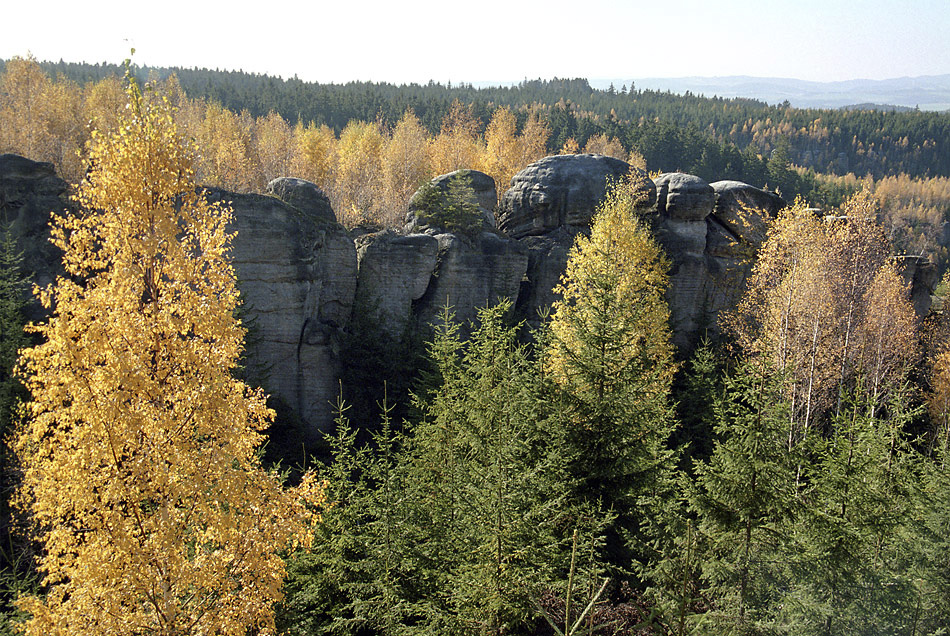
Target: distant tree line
{"points": [[866, 142]]}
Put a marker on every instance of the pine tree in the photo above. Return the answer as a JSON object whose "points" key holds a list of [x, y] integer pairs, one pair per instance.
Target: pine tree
{"points": [[141, 449]]}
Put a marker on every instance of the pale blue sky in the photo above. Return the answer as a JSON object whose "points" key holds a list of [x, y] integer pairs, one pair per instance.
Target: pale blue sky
{"points": [[497, 40]]}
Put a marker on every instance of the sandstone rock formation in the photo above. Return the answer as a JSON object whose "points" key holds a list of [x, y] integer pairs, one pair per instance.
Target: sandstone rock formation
{"points": [[710, 233], [684, 197], [297, 276], [562, 191], [472, 274], [303, 195], [395, 270], [304, 278], [921, 277]]}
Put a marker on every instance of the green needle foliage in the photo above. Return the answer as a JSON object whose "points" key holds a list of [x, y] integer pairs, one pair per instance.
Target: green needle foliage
{"points": [[611, 358], [743, 497], [462, 522]]}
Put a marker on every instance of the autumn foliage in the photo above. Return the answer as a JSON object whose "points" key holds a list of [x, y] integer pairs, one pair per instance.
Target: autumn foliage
{"points": [[140, 448], [827, 306]]}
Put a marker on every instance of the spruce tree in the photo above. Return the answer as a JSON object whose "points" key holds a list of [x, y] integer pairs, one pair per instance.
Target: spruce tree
{"points": [[850, 573], [611, 358], [743, 497]]}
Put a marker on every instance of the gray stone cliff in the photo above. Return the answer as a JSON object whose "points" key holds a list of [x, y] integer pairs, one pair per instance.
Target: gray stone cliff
{"points": [[305, 280]]}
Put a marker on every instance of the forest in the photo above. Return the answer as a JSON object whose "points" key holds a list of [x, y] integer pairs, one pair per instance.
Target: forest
{"points": [[369, 145], [788, 476]]}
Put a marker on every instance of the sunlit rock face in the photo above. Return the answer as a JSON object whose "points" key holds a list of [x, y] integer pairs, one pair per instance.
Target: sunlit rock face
{"points": [[562, 191]]}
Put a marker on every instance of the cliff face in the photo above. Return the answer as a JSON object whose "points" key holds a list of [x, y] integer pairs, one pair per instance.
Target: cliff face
{"points": [[306, 281]]}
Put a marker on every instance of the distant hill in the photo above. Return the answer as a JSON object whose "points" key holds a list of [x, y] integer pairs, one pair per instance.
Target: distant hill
{"points": [[931, 92]]}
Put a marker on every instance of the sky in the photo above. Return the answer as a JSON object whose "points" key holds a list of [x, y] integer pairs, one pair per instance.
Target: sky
{"points": [[495, 40]]}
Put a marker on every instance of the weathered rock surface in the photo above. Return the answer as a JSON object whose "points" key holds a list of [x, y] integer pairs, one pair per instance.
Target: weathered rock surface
{"points": [[547, 260], [562, 191], [483, 187], [394, 271], [740, 218], [470, 275], [710, 233], [30, 191], [297, 275], [303, 277], [303, 195], [684, 197]]}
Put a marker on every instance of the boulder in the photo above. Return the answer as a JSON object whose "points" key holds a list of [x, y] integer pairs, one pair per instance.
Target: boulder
{"points": [[470, 275], [562, 191], [684, 197], [740, 216], [711, 233], [394, 271], [483, 187], [30, 192], [297, 276], [303, 195]]}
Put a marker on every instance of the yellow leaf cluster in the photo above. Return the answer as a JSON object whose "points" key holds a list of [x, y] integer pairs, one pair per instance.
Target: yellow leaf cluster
{"points": [[610, 328], [141, 448], [827, 307]]}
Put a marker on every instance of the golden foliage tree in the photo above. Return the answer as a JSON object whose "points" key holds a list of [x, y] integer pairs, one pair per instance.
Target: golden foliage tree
{"points": [[40, 118], [502, 156], [355, 195], [534, 140], [405, 166], [456, 146], [103, 103], [140, 450], [226, 147], [274, 146], [315, 155], [610, 350], [827, 307], [21, 96], [603, 145]]}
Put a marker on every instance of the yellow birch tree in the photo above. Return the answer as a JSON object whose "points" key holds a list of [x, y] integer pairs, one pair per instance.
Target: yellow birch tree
{"points": [[456, 146], [315, 154], [825, 306], [140, 451], [405, 166]]}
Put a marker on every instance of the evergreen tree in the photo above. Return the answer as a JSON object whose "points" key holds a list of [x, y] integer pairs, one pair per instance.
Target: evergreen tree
{"points": [[461, 523], [850, 574], [743, 498], [17, 569], [611, 357], [490, 450]]}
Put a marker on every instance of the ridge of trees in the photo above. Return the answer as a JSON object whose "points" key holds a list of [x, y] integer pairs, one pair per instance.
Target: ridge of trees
{"points": [[383, 141], [866, 142]]}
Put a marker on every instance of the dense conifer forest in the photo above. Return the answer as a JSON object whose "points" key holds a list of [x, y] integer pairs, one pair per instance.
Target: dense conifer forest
{"points": [[788, 476]]}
